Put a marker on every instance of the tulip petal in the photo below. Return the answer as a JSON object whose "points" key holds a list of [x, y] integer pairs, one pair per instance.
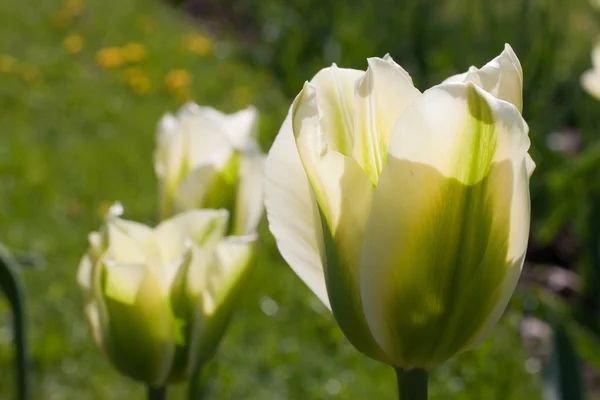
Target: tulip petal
{"points": [[187, 307], [84, 274], [462, 77], [203, 135], [193, 138], [590, 80], [86, 277], [530, 165], [460, 129], [233, 255], [202, 227], [502, 77], [250, 194], [164, 162], [335, 96], [292, 212], [329, 172], [193, 188], [96, 245], [343, 192], [519, 222], [94, 320], [122, 281], [381, 96], [197, 137], [240, 126], [215, 282], [209, 186], [141, 327], [175, 235], [449, 224], [129, 241], [228, 277]]}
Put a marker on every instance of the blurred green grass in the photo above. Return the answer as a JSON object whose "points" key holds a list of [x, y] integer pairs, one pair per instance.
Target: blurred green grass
{"points": [[76, 137]]}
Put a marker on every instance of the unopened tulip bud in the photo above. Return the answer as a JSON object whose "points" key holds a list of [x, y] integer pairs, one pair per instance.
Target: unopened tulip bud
{"points": [[158, 300]]}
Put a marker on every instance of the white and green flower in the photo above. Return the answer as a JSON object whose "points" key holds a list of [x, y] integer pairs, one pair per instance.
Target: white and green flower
{"points": [[158, 300], [405, 212], [207, 159]]}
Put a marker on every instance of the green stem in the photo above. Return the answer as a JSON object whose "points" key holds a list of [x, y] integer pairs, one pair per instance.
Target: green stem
{"points": [[11, 285], [157, 393], [200, 381], [412, 384]]}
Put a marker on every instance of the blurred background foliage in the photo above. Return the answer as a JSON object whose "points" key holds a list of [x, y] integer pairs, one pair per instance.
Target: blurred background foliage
{"points": [[84, 82]]}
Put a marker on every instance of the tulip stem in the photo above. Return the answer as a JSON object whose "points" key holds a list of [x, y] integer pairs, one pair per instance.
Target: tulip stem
{"points": [[157, 393], [412, 384]]}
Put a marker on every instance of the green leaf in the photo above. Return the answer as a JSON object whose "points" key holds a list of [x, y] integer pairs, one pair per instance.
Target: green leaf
{"points": [[562, 377], [587, 344], [585, 340]]}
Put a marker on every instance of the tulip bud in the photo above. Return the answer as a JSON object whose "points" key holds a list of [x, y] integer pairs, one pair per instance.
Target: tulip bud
{"points": [[158, 300], [207, 159], [406, 212]]}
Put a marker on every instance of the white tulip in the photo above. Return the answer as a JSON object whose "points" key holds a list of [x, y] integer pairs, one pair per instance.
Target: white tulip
{"points": [[207, 159], [405, 212]]}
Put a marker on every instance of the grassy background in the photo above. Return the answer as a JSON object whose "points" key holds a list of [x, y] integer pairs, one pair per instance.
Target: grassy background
{"points": [[78, 134]]}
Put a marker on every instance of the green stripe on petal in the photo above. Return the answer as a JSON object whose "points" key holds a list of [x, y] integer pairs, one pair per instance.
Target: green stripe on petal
{"points": [[335, 95], [459, 129], [478, 143], [381, 96], [502, 77]]}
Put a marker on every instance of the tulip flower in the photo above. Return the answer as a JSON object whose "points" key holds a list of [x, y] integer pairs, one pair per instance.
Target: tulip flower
{"points": [[407, 213], [207, 159], [590, 80], [158, 300]]}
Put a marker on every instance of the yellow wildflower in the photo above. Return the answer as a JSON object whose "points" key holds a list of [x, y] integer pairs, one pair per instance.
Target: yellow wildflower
{"points": [[199, 44], [110, 57], [73, 43], [7, 64], [177, 79], [133, 52]]}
